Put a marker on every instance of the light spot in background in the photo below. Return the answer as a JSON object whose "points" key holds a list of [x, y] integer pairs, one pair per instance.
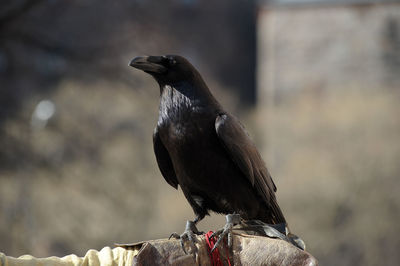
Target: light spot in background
{"points": [[44, 110]]}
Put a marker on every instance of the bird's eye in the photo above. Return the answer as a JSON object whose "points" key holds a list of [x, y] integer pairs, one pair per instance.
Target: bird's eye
{"points": [[172, 62]]}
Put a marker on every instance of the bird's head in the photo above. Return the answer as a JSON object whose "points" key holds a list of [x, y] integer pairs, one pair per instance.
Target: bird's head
{"points": [[166, 69]]}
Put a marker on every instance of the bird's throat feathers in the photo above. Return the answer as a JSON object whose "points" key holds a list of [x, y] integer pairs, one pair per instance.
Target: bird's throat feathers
{"points": [[182, 99], [176, 102]]}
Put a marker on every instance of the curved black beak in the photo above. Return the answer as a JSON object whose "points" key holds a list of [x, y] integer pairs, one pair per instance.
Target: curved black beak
{"points": [[149, 64]]}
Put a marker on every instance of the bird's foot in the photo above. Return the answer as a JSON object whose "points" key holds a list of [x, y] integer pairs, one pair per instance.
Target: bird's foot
{"points": [[231, 220], [189, 235]]}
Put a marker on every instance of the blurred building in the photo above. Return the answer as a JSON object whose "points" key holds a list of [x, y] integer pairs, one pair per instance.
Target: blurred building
{"points": [[328, 80], [327, 44]]}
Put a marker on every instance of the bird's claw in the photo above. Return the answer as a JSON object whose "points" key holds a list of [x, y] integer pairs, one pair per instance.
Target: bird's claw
{"points": [[231, 220], [189, 235]]}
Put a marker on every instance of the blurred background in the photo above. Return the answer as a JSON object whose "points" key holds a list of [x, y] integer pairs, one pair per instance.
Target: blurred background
{"points": [[316, 82]]}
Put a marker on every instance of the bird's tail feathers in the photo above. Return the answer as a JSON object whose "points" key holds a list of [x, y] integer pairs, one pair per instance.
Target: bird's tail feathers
{"points": [[277, 215]]}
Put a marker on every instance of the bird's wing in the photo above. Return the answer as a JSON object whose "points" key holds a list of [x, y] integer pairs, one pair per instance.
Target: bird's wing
{"points": [[244, 153], [164, 161]]}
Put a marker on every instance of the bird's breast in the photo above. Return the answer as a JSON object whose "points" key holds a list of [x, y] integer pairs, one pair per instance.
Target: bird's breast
{"points": [[182, 119], [186, 129]]}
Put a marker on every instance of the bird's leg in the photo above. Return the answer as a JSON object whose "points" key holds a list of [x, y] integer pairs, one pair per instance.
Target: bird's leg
{"points": [[231, 220], [189, 234]]}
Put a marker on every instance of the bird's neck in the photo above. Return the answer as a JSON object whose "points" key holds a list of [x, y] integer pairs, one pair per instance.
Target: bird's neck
{"points": [[183, 100], [188, 93]]}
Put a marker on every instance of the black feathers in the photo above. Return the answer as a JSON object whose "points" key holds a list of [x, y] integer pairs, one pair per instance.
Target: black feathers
{"points": [[204, 149]]}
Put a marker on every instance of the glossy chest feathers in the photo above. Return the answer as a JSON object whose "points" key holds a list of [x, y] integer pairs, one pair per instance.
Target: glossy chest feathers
{"points": [[182, 118]]}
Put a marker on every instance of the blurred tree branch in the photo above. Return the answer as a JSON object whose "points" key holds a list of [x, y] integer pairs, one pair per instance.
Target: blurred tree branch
{"points": [[14, 13]]}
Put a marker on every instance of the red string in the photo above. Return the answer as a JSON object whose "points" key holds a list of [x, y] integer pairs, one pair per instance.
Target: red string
{"points": [[215, 256]]}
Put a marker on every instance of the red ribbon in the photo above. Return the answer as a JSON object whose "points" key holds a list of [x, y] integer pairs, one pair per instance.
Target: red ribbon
{"points": [[215, 256]]}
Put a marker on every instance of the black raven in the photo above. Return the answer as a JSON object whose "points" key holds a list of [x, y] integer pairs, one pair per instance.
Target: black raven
{"points": [[204, 149]]}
